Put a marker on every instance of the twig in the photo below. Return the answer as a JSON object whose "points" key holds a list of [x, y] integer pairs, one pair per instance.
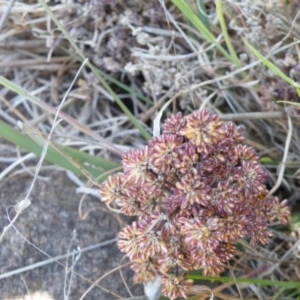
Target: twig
{"points": [[102, 277], [252, 116], [123, 279], [7, 12], [284, 158], [45, 148]]}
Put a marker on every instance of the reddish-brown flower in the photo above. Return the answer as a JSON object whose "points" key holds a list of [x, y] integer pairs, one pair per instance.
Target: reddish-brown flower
{"points": [[187, 159], [251, 177], [195, 190], [174, 124], [145, 269], [130, 241], [223, 197], [163, 152], [233, 227], [136, 164], [151, 198], [204, 257], [202, 128], [273, 209], [201, 233], [112, 188], [246, 153], [152, 242], [213, 270], [176, 287], [130, 201], [225, 251], [190, 190], [171, 260], [233, 132]]}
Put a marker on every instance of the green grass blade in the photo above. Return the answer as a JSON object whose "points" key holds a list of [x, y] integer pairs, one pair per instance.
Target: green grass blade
{"points": [[84, 160], [273, 68], [202, 14], [279, 293], [294, 295], [19, 90], [124, 108], [73, 153], [189, 13], [286, 284], [265, 160], [124, 86], [88, 158], [232, 52], [289, 102], [111, 79]]}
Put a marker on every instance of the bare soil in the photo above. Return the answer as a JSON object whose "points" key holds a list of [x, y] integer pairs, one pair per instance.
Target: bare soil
{"points": [[49, 223]]}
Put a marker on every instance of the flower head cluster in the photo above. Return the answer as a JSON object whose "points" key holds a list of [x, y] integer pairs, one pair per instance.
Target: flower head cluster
{"points": [[196, 189]]}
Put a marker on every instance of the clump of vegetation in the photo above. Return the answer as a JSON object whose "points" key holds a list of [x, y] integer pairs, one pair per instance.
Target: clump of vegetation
{"points": [[110, 69], [196, 189], [276, 89], [103, 28]]}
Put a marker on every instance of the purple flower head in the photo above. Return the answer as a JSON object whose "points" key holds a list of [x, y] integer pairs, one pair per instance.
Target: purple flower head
{"points": [[194, 190]]}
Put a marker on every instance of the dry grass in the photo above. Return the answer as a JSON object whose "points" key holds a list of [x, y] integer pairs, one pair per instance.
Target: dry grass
{"points": [[152, 56]]}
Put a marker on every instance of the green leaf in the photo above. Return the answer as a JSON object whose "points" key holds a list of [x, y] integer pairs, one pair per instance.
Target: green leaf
{"points": [[19, 90], [85, 162], [287, 284], [230, 47], [202, 14], [193, 18], [267, 160], [289, 102], [273, 68], [111, 79]]}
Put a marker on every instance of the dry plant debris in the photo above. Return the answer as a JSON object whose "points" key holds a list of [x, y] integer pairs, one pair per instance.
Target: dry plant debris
{"points": [[140, 44], [275, 89]]}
